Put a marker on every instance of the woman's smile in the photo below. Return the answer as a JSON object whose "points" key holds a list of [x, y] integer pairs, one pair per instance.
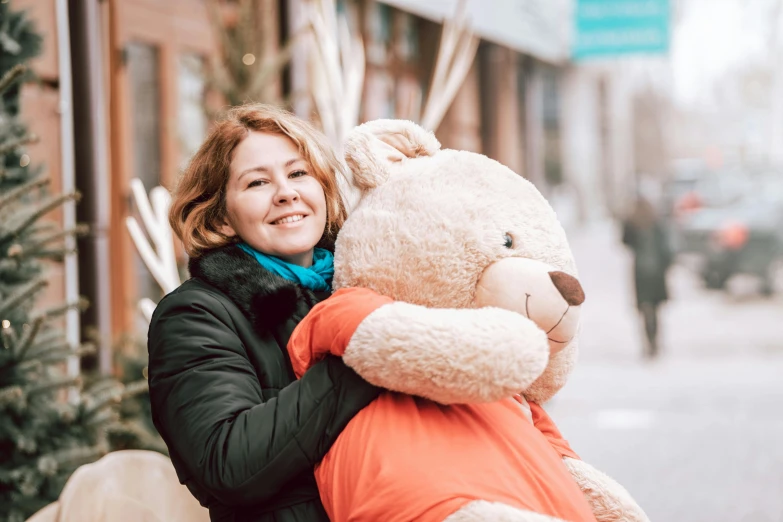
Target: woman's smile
{"points": [[289, 220]]}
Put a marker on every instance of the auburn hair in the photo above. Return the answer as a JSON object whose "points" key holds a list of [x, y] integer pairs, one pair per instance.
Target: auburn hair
{"points": [[198, 206]]}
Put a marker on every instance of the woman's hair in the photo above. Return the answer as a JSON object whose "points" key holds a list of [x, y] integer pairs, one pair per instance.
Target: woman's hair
{"points": [[198, 207]]}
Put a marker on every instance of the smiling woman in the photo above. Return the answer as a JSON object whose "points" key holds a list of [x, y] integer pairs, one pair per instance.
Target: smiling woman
{"points": [[257, 210], [251, 143], [272, 201]]}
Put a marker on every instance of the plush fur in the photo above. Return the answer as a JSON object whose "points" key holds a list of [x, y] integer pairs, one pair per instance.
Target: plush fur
{"points": [[555, 375], [392, 346], [609, 500]]}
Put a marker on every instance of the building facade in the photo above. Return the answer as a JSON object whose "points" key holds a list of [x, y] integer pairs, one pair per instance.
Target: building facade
{"points": [[142, 86]]}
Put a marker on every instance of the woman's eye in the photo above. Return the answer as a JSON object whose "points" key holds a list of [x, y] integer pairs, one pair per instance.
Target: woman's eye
{"points": [[257, 183], [298, 174], [508, 241]]}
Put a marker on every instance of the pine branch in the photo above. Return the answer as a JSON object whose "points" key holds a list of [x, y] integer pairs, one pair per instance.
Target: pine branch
{"points": [[43, 227], [24, 443], [52, 347], [44, 209], [20, 439], [52, 463], [103, 385], [32, 248], [135, 388], [8, 336], [21, 296], [10, 145], [27, 339], [95, 404], [59, 354], [60, 382], [55, 255], [19, 174], [10, 395], [102, 416], [82, 304], [13, 274], [46, 338], [130, 435], [14, 195], [11, 76]]}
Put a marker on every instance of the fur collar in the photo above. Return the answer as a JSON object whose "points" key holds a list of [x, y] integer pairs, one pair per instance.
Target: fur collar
{"points": [[265, 298]]}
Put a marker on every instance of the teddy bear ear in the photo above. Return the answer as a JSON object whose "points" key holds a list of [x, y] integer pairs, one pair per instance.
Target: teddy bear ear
{"points": [[371, 148]]}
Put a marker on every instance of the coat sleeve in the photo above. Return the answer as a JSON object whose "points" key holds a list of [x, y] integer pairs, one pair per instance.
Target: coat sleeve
{"points": [[208, 407]]}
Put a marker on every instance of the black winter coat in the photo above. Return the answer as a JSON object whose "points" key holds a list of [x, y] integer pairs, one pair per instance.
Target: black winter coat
{"points": [[242, 432]]}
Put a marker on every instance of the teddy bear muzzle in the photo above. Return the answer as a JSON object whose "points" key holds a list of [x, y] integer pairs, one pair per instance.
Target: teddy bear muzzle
{"points": [[550, 298]]}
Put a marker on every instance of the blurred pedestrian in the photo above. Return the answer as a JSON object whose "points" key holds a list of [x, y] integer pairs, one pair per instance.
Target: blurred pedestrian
{"points": [[645, 234]]}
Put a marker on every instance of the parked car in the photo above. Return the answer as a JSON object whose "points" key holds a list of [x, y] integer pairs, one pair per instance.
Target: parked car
{"points": [[694, 190], [744, 236]]}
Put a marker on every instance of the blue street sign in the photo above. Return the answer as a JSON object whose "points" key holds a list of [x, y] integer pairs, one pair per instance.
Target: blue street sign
{"points": [[606, 28]]}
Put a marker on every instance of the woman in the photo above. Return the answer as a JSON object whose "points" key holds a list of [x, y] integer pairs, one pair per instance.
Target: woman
{"points": [[243, 434], [644, 233]]}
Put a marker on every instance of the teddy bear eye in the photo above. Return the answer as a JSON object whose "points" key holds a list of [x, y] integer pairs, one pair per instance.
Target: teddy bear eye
{"points": [[508, 240]]}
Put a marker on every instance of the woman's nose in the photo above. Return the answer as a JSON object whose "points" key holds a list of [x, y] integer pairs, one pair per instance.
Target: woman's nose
{"points": [[286, 193], [569, 287]]}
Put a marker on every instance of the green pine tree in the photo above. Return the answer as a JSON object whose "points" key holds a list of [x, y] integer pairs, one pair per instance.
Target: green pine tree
{"points": [[45, 431], [134, 428], [18, 43]]}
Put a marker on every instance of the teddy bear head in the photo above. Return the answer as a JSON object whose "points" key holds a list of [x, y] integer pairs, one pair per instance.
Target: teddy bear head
{"points": [[455, 229]]}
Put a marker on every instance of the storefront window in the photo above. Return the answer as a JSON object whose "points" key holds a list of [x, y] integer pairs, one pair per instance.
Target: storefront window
{"points": [[377, 31], [143, 65], [191, 116], [144, 77]]}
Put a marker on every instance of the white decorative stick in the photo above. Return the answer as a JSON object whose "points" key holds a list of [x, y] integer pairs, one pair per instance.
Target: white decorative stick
{"points": [[456, 51], [337, 70], [147, 307], [160, 260]]}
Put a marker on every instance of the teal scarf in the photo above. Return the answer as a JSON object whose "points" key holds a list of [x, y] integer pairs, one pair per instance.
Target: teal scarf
{"points": [[317, 277]]}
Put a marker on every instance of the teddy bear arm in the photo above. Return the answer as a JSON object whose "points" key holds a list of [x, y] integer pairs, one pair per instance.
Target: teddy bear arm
{"points": [[451, 356], [329, 326], [609, 500]]}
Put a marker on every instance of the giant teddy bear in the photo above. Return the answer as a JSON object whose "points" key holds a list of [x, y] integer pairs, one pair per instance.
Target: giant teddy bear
{"points": [[456, 290]]}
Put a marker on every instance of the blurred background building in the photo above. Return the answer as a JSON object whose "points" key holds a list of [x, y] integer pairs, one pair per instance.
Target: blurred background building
{"points": [[597, 102], [145, 91]]}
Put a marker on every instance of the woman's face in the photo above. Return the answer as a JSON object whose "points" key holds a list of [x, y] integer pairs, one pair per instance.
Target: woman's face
{"points": [[273, 202]]}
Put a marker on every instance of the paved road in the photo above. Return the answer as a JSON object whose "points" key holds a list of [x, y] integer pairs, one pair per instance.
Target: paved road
{"points": [[698, 434]]}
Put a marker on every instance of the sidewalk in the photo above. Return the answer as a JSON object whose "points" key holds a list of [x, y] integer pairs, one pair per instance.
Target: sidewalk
{"points": [[694, 323], [693, 435]]}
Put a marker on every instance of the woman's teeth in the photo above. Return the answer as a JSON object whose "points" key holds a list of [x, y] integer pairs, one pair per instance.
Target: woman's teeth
{"points": [[289, 219]]}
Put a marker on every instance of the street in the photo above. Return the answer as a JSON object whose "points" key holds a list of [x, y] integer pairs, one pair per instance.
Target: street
{"points": [[695, 435]]}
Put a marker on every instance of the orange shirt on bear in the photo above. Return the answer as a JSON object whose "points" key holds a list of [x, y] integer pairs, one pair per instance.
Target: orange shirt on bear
{"points": [[405, 458]]}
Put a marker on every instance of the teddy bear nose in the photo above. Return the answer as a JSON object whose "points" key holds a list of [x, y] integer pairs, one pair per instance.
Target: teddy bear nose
{"points": [[569, 287]]}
